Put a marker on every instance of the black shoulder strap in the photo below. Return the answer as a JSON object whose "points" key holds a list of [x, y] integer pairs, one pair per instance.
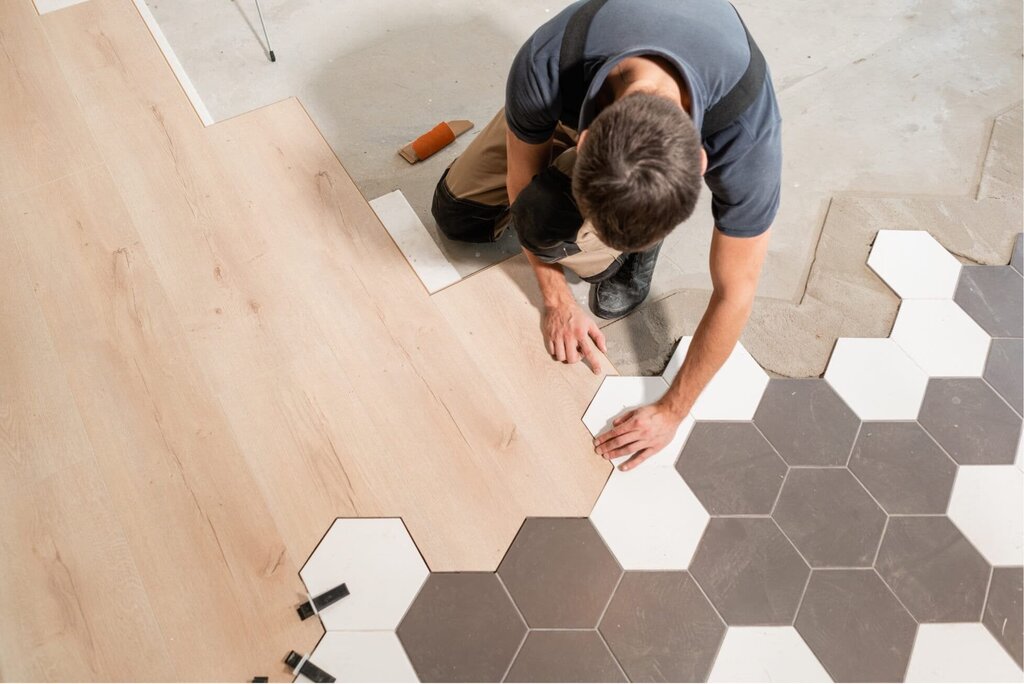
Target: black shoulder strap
{"points": [[571, 79], [741, 96]]}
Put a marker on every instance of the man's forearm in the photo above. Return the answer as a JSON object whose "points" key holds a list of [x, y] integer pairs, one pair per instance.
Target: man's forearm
{"points": [[551, 279], [713, 341]]}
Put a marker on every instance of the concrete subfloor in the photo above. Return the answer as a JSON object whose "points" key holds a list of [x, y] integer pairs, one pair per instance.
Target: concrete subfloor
{"points": [[888, 107]]}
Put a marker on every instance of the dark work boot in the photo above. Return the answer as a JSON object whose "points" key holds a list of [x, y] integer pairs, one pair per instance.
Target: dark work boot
{"points": [[628, 288]]}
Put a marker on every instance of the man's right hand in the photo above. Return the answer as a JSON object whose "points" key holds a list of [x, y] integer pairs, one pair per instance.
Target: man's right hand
{"points": [[570, 334]]}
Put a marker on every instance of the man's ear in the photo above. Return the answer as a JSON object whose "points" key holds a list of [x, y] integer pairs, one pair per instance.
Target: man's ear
{"points": [[580, 139], [703, 161]]}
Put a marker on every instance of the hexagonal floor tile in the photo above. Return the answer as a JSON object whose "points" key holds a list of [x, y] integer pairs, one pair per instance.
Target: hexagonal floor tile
{"points": [[941, 338], [914, 264], [987, 504], [876, 379], [766, 654], [1004, 610], [960, 653], [660, 627], [362, 657], [731, 468], [734, 392], [1017, 257], [650, 519], [807, 422], [750, 571], [933, 569], [564, 656], [855, 626], [830, 518], [903, 468], [462, 628], [994, 297], [376, 559], [620, 394], [560, 573], [970, 421], [1004, 371]]}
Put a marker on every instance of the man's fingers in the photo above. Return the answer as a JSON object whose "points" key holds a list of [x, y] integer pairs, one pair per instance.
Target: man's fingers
{"points": [[598, 337], [638, 458], [612, 433], [624, 450], [550, 346], [623, 418], [572, 355], [559, 350], [590, 356], [618, 442]]}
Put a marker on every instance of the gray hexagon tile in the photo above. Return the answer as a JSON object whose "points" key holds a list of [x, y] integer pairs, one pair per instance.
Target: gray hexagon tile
{"points": [[903, 468], [960, 653], [970, 421], [565, 656], [994, 297], [660, 627], [733, 393], [731, 468], [876, 378], [750, 571], [1004, 371], [766, 654], [559, 573], [855, 626], [937, 574], [914, 264], [1017, 259], [830, 517], [362, 657], [807, 422], [380, 565], [1004, 610], [462, 628]]}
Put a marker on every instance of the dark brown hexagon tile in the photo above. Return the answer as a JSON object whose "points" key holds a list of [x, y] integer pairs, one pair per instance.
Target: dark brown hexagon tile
{"points": [[660, 628], [1004, 610], [830, 518], [856, 627], [750, 571], [971, 422], [731, 468], [461, 628], [807, 422], [564, 656], [933, 569], [994, 297], [560, 573], [1004, 370], [903, 468]]}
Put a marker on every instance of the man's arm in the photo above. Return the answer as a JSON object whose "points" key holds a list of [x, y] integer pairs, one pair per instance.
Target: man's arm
{"points": [[567, 330], [735, 270]]}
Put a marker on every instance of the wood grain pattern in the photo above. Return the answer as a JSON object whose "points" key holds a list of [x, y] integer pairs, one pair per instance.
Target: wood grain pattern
{"points": [[212, 348]]}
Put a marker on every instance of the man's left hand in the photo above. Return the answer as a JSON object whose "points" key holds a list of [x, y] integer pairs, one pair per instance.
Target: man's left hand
{"points": [[642, 432]]}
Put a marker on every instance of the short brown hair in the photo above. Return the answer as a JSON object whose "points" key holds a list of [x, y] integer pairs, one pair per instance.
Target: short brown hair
{"points": [[639, 173]]}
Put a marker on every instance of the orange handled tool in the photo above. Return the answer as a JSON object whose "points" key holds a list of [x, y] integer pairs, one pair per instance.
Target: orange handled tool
{"points": [[437, 138]]}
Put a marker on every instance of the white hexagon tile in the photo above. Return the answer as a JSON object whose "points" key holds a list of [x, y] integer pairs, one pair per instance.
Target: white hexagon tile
{"points": [[766, 654], [941, 338], [362, 657], [959, 652], [987, 505], [914, 264], [377, 560], [876, 378], [735, 391]]}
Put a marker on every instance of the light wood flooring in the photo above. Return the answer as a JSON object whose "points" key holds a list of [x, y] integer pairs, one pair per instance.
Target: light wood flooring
{"points": [[209, 349]]}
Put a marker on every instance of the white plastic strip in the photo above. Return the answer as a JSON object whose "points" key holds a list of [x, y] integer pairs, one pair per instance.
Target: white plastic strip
{"points": [[411, 236], [44, 6], [172, 60]]}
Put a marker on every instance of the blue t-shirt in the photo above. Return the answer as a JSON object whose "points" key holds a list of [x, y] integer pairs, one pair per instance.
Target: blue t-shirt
{"points": [[705, 41]]}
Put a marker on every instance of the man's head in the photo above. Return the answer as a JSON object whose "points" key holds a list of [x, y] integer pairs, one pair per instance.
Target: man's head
{"points": [[638, 171]]}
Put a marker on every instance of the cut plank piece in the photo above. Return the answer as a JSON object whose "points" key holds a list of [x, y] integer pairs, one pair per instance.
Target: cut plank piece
{"points": [[411, 236]]}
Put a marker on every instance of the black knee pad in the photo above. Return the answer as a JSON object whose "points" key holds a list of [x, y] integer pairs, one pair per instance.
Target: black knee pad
{"points": [[465, 220]]}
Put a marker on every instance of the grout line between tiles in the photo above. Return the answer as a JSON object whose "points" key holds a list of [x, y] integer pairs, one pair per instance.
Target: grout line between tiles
{"points": [[521, 617], [988, 590], [881, 538], [898, 599], [800, 603], [853, 446]]}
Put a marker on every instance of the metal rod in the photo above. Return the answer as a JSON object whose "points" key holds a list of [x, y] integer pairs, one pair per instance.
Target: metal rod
{"points": [[270, 50]]}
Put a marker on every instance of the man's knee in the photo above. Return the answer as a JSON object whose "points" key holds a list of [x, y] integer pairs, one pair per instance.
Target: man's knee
{"points": [[465, 220]]}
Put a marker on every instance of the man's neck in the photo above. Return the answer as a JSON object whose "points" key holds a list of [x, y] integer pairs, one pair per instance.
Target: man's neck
{"points": [[648, 74]]}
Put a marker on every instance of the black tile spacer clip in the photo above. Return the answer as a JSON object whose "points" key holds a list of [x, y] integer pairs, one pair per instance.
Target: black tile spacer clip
{"points": [[301, 666], [316, 604]]}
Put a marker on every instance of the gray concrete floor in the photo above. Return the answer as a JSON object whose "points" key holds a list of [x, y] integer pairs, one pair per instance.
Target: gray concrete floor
{"points": [[882, 97]]}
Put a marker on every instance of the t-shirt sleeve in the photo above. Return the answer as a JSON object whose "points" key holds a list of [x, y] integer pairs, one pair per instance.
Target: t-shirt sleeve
{"points": [[746, 178], [531, 97]]}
